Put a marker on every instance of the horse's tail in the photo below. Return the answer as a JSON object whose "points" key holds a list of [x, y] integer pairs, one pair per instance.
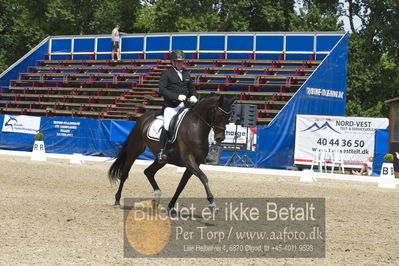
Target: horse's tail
{"points": [[115, 171], [133, 146]]}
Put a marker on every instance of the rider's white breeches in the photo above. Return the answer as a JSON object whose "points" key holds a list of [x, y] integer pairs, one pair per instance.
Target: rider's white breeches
{"points": [[168, 114]]}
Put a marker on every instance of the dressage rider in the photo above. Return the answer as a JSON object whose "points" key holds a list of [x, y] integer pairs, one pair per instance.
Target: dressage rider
{"points": [[176, 86]]}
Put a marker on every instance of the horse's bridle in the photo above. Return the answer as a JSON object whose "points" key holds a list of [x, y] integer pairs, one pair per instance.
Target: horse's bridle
{"points": [[212, 124]]}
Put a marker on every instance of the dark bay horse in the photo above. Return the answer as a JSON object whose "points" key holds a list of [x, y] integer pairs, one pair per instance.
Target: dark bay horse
{"points": [[189, 149]]}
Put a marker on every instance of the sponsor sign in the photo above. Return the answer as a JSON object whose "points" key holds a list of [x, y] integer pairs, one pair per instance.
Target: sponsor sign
{"points": [[351, 136], [237, 138], [66, 128], [324, 93], [21, 124]]}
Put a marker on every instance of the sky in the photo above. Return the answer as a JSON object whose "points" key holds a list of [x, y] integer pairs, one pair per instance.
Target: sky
{"points": [[356, 20]]}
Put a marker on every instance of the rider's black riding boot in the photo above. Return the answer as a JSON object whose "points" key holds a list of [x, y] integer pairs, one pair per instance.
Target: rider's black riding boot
{"points": [[163, 141]]}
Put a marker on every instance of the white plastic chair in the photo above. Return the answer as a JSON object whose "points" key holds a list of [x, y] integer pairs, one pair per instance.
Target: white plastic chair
{"points": [[320, 159], [337, 159]]}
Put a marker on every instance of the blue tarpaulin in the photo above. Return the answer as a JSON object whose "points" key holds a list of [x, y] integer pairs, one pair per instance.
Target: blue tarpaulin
{"points": [[380, 149], [276, 141], [69, 135]]}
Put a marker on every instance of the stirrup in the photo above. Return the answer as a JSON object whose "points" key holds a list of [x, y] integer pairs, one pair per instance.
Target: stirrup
{"points": [[162, 157]]}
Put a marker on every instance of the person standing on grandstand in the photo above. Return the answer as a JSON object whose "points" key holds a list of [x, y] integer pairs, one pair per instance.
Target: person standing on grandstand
{"points": [[176, 86], [116, 41]]}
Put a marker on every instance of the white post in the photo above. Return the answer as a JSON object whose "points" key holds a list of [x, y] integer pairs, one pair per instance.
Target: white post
{"points": [[387, 176], [307, 175], [38, 151]]}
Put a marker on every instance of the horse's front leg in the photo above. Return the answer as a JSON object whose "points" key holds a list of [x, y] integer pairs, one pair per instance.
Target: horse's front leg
{"points": [[193, 166], [186, 176]]}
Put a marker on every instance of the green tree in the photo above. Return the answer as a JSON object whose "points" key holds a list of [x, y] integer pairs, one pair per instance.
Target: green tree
{"points": [[257, 15], [318, 15], [24, 23], [373, 69], [20, 30]]}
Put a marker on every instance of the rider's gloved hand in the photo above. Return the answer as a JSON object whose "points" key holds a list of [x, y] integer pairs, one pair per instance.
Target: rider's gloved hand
{"points": [[193, 99], [182, 97]]}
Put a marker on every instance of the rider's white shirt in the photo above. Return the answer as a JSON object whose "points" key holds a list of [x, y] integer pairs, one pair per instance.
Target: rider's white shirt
{"points": [[179, 73], [168, 114]]}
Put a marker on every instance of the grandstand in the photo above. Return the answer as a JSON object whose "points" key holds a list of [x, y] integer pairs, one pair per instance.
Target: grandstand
{"points": [[124, 90], [73, 76]]}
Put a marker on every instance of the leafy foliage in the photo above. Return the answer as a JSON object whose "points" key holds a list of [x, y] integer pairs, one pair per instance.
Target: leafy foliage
{"points": [[373, 69], [388, 158], [39, 136]]}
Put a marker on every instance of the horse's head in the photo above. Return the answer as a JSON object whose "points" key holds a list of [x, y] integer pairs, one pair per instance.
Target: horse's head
{"points": [[220, 117], [215, 112]]}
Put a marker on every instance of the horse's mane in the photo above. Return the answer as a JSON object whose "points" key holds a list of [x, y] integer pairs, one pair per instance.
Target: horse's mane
{"points": [[208, 96], [205, 99], [225, 104]]}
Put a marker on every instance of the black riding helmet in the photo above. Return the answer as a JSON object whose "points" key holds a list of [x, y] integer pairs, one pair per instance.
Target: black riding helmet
{"points": [[177, 55]]}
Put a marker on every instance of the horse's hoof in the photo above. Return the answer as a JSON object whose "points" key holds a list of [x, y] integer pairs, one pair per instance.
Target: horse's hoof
{"points": [[157, 196], [172, 212], [155, 204], [117, 206], [212, 207]]}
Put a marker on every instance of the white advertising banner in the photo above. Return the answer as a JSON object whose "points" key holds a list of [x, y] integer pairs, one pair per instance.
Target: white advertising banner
{"points": [[352, 136], [245, 140], [21, 124]]}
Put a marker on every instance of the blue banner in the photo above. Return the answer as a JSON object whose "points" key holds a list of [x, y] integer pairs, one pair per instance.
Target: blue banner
{"points": [[67, 135], [324, 93], [380, 149]]}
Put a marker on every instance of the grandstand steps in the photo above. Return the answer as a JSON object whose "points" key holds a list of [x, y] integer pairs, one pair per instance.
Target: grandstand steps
{"points": [[243, 70], [190, 62], [110, 63], [127, 108], [124, 90], [68, 90], [123, 112], [264, 120], [255, 86], [152, 107], [119, 70], [120, 116], [130, 100], [79, 75], [52, 104], [81, 83], [240, 94], [86, 69]]}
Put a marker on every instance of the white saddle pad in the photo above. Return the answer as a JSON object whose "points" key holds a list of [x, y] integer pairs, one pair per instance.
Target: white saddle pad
{"points": [[154, 132]]}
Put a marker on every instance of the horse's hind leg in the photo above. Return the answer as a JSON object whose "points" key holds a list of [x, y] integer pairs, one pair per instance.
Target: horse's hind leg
{"points": [[150, 172], [119, 192], [125, 173]]}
